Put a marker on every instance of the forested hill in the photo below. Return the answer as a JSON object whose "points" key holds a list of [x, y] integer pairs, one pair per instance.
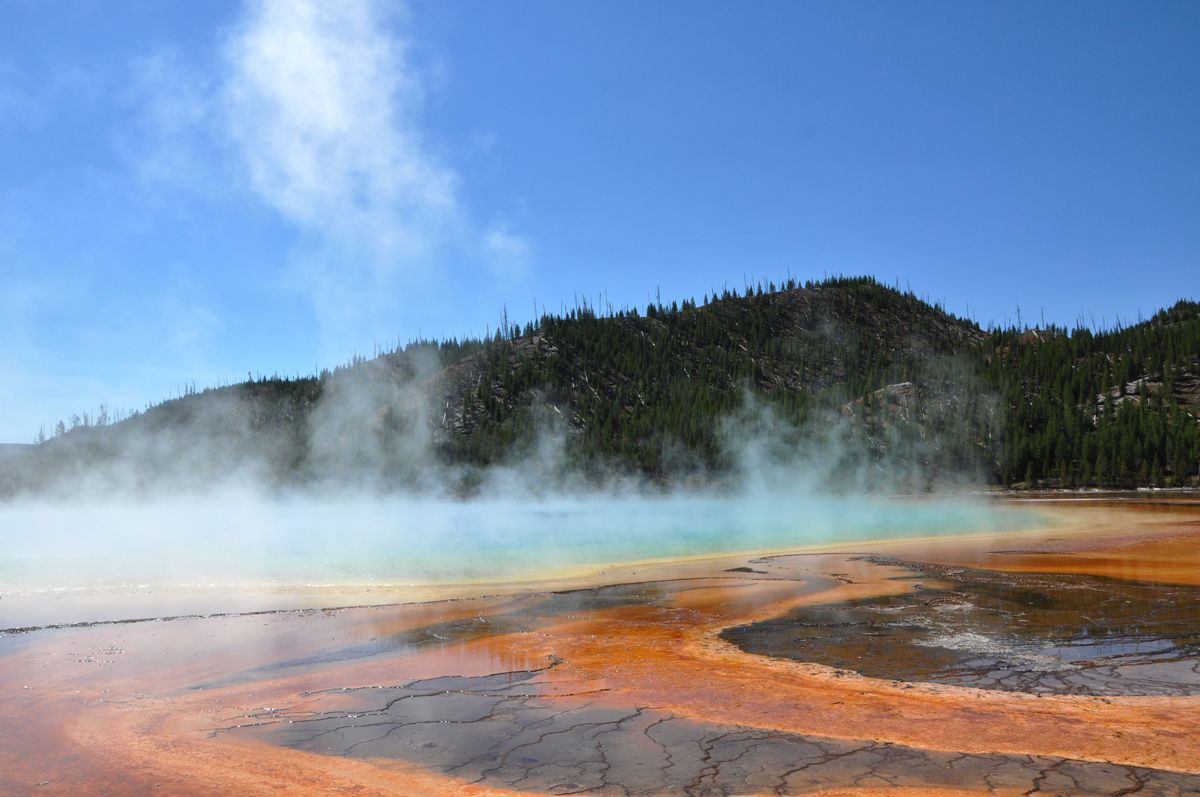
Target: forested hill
{"points": [[884, 381]]}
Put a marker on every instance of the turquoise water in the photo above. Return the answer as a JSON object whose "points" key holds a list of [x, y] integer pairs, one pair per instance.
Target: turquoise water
{"points": [[241, 540]]}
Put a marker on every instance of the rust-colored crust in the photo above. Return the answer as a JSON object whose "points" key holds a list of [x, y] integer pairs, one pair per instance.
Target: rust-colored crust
{"points": [[145, 708]]}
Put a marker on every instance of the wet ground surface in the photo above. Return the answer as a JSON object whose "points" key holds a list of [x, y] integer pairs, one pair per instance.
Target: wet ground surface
{"points": [[519, 730], [553, 729], [1037, 633], [634, 689], [516, 616]]}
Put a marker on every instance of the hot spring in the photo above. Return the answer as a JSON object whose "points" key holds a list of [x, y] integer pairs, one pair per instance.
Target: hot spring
{"points": [[241, 543]]}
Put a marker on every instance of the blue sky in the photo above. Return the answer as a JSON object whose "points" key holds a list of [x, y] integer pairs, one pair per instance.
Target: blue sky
{"points": [[193, 191]]}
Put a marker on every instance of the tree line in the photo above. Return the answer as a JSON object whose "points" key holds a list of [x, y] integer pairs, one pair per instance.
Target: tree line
{"points": [[653, 390]]}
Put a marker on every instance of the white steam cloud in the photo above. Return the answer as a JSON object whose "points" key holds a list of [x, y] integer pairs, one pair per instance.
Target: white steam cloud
{"points": [[322, 104], [224, 492], [314, 110]]}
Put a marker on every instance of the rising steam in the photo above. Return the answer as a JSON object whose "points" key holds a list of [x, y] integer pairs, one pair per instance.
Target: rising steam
{"points": [[197, 498]]}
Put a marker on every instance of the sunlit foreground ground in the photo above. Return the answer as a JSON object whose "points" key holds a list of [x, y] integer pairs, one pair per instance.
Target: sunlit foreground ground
{"points": [[1060, 661]]}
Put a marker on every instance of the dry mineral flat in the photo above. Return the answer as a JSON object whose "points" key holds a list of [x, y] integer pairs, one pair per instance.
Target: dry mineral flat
{"points": [[1062, 661]]}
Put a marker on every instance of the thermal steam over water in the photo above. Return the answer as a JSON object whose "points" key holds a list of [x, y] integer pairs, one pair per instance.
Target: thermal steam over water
{"points": [[249, 542]]}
